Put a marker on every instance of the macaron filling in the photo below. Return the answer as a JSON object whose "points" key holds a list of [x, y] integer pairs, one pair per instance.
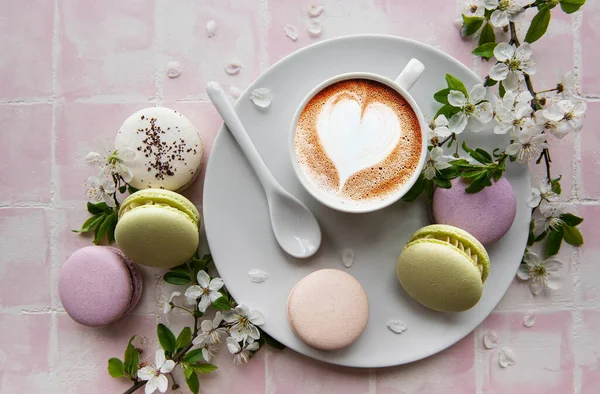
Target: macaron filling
{"points": [[463, 246], [160, 203]]}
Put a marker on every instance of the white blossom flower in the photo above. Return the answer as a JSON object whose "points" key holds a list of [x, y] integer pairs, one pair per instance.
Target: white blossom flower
{"points": [[540, 273], [542, 197], [512, 63], [243, 323], [548, 219], [155, 375], [207, 290], [557, 128], [568, 111], [210, 331], [241, 354], [111, 161], [474, 107], [209, 351], [435, 163], [442, 128], [167, 306], [504, 11], [528, 144], [566, 84], [101, 190], [512, 111], [474, 8]]}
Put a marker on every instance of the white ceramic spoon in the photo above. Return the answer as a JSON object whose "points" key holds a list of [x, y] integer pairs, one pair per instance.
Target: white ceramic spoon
{"points": [[295, 227]]}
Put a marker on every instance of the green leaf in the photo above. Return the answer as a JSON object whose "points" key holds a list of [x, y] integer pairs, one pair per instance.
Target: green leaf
{"points": [[101, 230], [416, 190], [166, 338], [203, 368], [187, 370], [485, 155], [556, 185], [570, 219], [490, 82], [442, 183], [501, 90], [193, 383], [184, 337], [571, 6], [131, 189], [441, 96], [539, 25], [555, 238], [193, 356], [497, 174], [478, 154], [456, 84], [485, 51], [449, 173], [183, 268], [572, 235], [131, 360], [116, 369], [123, 189], [447, 110], [221, 304], [110, 235], [177, 278], [487, 34], [471, 24], [98, 208], [90, 224], [269, 340]]}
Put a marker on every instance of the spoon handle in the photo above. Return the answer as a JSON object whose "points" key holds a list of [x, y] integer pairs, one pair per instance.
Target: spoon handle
{"points": [[235, 126]]}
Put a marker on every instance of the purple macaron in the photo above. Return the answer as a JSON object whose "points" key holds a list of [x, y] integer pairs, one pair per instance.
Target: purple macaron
{"points": [[98, 285], [487, 215]]}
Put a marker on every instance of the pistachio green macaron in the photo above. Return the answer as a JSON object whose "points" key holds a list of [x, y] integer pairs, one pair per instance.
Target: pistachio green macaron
{"points": [[158, 228], [443, 268]]}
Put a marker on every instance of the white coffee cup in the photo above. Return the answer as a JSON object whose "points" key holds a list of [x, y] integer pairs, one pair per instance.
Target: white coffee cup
{"points": [[407, 78]]}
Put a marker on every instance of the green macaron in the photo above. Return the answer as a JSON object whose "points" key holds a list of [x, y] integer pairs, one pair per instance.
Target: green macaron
{"points": [[443, 268], [158, 228]]}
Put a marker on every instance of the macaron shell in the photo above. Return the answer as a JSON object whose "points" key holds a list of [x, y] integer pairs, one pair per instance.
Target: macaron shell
{"points": [[437, 276], [136, 278], [328, 309], [487, 215], [95, 287], [161, 135], [157, 236]]}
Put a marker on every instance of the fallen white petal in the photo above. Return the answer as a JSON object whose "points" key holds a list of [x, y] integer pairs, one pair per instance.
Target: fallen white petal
{"points": [[529, 319], [348, 257], [235, 92], [233, 68], [506, 358], [261, 97], [490, 339], [315, 10], [257, 276], [396, 326], [291, 31], [315, 30], [173, 69], [211, 28]]}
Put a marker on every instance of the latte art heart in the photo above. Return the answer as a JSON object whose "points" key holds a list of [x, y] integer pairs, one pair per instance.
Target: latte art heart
{"points": [[357, 140], [356, 136]]}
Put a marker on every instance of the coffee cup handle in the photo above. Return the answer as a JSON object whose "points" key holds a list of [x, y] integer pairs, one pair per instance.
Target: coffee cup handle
{"points": [[410, 74]]}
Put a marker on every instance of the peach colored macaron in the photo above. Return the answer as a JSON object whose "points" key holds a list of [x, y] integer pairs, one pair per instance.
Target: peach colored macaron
{"points": [[328, 309]]}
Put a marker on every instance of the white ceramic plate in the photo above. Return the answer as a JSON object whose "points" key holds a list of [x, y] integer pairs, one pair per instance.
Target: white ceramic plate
{"points": [[239, 232]]}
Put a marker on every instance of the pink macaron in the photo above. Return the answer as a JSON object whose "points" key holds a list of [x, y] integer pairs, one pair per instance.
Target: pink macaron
{"points": [[328, 309], [98, 285], [487, 215]]}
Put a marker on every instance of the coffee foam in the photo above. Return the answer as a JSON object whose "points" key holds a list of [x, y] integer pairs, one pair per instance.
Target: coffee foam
{"points": [[389, 167]]}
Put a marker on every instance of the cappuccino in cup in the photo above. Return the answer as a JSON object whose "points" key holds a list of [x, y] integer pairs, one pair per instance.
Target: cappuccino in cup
{"points": [[358, 142]]}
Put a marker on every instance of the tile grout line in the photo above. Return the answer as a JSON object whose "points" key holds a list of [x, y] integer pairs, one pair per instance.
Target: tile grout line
{"points": [[372, 380], [52, 224], [158, 79]]}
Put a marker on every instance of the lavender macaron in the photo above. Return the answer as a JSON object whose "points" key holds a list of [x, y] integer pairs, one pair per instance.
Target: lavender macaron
{"points": [[98, 285], [487, 215]]}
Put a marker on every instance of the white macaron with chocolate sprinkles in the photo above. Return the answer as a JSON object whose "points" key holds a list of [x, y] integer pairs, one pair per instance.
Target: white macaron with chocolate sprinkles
{"points": [[328, 309], [168, 149]]}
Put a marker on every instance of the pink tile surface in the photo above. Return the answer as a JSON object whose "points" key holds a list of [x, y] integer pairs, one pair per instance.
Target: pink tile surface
{"points": [[26, 61], [452, 372], [543, 353], [73, 70], [22, 266], [30, 147]]}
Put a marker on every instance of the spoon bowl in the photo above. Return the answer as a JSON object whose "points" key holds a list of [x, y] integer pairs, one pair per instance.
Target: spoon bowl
{"points": [[294, 226]]}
